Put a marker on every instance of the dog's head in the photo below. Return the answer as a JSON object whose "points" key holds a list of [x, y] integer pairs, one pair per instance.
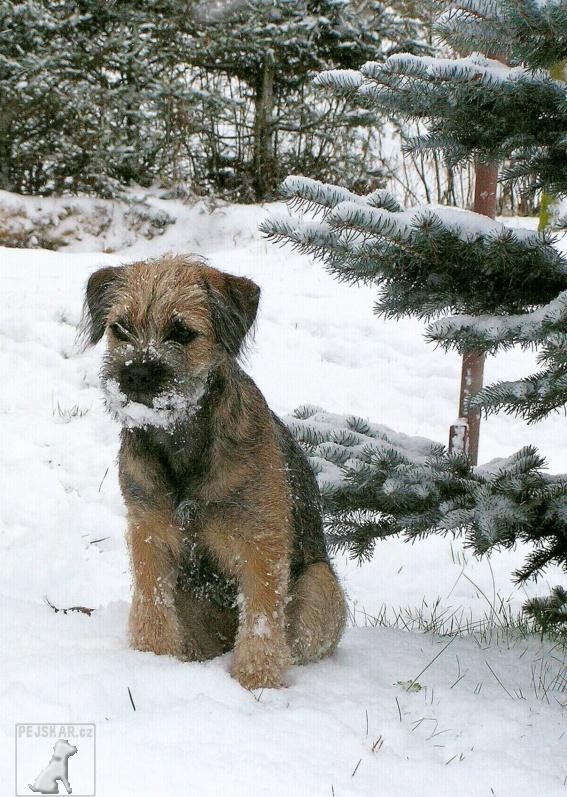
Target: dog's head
{"points": [[169, 323]]}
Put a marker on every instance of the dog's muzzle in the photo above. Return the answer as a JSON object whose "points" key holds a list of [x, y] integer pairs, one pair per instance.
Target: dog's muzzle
{"points": [[142, 381]]}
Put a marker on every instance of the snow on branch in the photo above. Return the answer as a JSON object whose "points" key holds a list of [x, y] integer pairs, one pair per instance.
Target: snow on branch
{"points": [[475, 67], [308, 236], [341, 79], [531, 398], [376, 483], [422, 259], [469, 23], [335, 442], [315, 196], [379, 211], [490, 332], [356, 216], [465, 224]]}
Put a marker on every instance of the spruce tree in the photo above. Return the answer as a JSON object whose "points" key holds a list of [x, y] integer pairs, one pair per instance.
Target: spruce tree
{"points": [[30, 109], [95, 96], [275, 47], [482, 286]]}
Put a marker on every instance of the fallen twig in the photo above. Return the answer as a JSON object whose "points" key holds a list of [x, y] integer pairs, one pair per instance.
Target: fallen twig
{"points": [[82, 609]]}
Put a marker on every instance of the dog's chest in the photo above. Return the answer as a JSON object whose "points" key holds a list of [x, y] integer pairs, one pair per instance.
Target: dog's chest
{"points": [[199, 573], [200, 576], [180, 466], [177, 464]]}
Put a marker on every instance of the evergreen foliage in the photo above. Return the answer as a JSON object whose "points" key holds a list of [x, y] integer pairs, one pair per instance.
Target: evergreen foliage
{"points": [[90, 95], [484, 286], [421, 260], [526, 31], [376, 483], [96, 96], [272, 49], [445, 495], [550, 613], [475, 106]]}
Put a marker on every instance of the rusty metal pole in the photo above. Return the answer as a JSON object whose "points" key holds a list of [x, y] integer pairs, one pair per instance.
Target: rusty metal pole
{"points": [[464, 433]]}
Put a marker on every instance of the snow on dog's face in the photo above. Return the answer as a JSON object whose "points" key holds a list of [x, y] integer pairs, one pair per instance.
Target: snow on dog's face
{"points": [[169, 324]]}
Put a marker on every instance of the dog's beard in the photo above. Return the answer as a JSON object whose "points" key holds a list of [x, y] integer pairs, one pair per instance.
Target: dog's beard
{"points": [[168, 408]]}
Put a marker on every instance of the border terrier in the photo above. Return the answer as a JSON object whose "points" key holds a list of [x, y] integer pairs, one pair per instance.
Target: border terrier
{"points": [[224, 513]]}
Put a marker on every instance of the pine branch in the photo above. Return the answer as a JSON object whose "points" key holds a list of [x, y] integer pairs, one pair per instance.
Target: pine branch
{"points": [[490, 333], [532, 398], [549, 613]]}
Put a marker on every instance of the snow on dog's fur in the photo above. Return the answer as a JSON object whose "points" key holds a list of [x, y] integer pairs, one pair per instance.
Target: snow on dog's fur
{"points": [[224, 513]]}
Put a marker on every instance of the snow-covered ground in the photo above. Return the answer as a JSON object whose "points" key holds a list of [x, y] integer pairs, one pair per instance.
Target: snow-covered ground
{"points": [[489, 718]]}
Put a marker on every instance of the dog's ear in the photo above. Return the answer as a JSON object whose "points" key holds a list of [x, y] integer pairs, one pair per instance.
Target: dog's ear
{"points": [[234, 306], [98, 297]]}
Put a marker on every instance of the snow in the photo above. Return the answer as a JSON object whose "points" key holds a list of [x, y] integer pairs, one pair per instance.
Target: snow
{"points": [[332, 429], [318, 193], [464, 223], [489, 716], [500, 328], [166, 410], [81, 223], [261, 626], [474, 66], [376, 214], [343, 78]]}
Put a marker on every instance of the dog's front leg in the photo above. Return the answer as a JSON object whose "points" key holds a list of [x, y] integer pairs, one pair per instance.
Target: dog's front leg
{"points": [[65, 782], [261, 652], [155, 548]]}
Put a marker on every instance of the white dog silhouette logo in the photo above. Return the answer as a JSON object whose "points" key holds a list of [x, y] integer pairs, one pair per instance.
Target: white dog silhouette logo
{"points": [[57, 769]]}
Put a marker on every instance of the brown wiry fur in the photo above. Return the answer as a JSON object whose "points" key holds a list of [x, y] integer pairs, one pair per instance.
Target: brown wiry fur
{"points": [[232, 464]]}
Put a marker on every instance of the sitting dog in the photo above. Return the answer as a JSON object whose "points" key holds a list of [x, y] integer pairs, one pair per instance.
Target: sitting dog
{"points": [[224, 513], [57, 769]]}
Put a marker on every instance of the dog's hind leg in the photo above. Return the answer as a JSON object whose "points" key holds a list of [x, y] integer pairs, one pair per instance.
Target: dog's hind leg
{"points": [[316, 614]]}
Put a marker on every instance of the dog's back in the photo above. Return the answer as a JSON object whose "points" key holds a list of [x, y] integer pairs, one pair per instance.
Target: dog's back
{"points": [[308, 538]]}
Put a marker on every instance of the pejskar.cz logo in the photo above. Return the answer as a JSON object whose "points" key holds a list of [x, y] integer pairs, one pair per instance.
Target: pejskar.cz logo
{"points": [[55, 758]]}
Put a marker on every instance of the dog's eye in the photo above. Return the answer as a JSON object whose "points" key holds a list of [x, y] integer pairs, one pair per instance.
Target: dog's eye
{"points": [[180, 333], [119, 330]]}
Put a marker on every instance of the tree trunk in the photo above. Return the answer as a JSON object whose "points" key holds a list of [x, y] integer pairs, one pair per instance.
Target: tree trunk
{"points": [[464, 433], [263, 154], [5, 150]]}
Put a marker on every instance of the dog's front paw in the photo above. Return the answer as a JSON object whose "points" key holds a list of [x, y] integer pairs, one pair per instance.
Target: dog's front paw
{"points": [[155, 632], [258, 665]]}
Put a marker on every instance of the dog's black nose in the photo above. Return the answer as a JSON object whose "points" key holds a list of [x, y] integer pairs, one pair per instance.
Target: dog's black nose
{"points": [[144, 379]]}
